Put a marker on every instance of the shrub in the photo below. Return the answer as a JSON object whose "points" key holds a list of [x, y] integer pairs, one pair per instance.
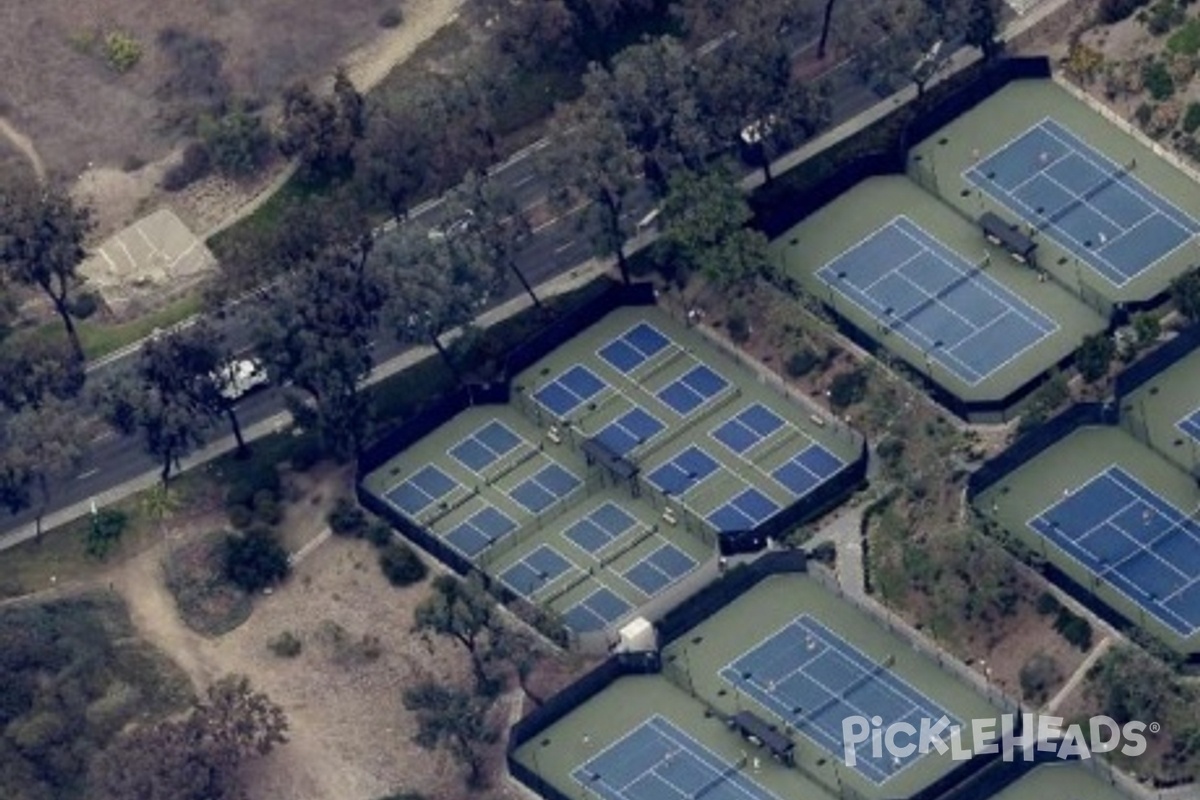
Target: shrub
{"points": [[255, 560], [347, 519], [122, 51], [107, 526], [738, 326], [401, 565], [237, 141], [1143, 113], [379, 533], [1163, 16], [306, 453], [801, 362], [391, 17], [240, 516], [246, 485], [84, 305], [286, 645], [1047, 604], [1157, 79], [1074, 628], [1111, 11], [825, 553], [1038, 676], [1191, 118], [194, 165], [1094, 356], [133, 163], [266, 508], [848, 388]]}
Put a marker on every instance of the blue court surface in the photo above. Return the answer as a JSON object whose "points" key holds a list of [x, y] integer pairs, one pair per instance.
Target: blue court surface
{"points": [[659, 761], [692, 390], [485, 446], [421, 490], [744, 512], [1191, 424], [660, 569], [596, 611], [599, 527], [748, 428], [806, 470], [542, 490], [1089, 204], [812, 679], [1128, 536], [570, 390], [630, 431], [481, 530], [683, 472], [947, 308], [633, 348], [537, 569]]}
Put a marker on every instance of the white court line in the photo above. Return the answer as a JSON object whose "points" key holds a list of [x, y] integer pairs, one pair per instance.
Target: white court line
{"points": [[1154, 607]]}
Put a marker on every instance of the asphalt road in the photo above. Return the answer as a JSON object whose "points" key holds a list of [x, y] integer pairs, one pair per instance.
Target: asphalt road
{"points": [[558, 244]]}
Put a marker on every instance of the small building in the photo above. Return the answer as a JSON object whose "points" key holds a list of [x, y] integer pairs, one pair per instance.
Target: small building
{"points": [[1001, 234]]}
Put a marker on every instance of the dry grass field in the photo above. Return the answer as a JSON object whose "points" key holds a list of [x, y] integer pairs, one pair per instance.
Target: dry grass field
{"points": [[59, 90]]}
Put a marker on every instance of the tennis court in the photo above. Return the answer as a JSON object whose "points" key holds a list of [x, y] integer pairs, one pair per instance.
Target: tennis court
{"points": [[1128, 536], [812, 679], [1191, 425], [657, 760], [570, 390], [537, 570], [1092, 206], [422, 490], [548, 486], [481, 530], [939, 302], [486, 446]]}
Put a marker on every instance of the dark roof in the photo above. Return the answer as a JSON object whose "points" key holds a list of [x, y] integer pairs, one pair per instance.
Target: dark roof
{"points": [[596, 451], [749, 724], [1007, 236]]}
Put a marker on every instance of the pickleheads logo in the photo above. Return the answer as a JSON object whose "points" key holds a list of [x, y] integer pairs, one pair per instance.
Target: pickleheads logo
{"points": [[900, 740]]}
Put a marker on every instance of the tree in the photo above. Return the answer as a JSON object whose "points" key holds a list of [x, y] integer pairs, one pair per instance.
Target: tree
{"points": [[166, 397], [35, 369], [1185, 291], [41, 244], [437, 285], [498, 230], [590, 160], [1146, 328], [322, 132], [1129, 684], [39, 445], [453, 718], [196, 758], [749, 97], [982, 26], [653, 95], [826, 20], [316, 335], [704, 219], [461, 610], [1094, 356]]}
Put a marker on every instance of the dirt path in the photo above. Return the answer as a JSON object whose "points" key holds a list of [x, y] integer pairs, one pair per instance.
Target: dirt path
{"points": [[367, 67], [24, 147]]}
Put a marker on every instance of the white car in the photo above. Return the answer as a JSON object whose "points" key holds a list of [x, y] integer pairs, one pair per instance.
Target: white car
{"points": [[240, 377], [453, 228]]}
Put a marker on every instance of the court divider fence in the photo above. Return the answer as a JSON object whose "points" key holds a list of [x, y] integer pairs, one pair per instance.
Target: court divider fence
{"points": [[882, 149]]}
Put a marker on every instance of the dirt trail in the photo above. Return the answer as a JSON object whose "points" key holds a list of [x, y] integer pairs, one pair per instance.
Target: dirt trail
{"points": [[152, 610], [422, 19], [24, 146]]}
